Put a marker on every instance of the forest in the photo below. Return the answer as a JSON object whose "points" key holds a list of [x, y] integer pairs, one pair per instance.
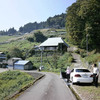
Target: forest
{"points": [[83, 24], [58, 21]]}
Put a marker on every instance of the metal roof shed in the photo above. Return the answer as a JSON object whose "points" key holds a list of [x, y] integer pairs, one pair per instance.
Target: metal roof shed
{"points": [[23, 65], [52, 43]]}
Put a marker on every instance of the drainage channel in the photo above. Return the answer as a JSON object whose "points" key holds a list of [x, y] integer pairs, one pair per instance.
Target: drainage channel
{"points": [[73, 90]]}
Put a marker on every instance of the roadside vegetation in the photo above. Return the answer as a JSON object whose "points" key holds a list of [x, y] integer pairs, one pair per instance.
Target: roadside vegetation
{"points": [[12, 81], [54, 62], [88, 92]]}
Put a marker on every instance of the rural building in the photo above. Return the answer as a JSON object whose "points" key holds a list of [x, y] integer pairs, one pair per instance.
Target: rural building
{"points": [[11, 62], [3, 58], [53, 44], [23, 65], [18, 63]]}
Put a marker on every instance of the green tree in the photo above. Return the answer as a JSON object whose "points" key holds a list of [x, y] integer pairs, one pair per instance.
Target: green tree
{"points": [[82, 21], [12, 31], [39, 37], [16, 52]]}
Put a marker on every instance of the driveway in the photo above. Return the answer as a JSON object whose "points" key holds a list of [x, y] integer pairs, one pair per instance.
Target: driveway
{"points": [[51, 87]]}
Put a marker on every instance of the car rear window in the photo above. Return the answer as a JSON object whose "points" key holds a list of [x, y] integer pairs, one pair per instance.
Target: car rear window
{"points": [[82, 70]]}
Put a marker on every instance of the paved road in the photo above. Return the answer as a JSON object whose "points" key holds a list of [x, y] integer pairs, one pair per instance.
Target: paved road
{"points": [[3, 70], [51, 87]]}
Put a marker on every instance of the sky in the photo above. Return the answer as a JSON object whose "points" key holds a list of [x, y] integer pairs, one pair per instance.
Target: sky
{"points": [[17, 13]]}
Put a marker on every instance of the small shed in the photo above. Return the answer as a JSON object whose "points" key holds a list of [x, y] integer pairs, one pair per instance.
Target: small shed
{"points": [[12, 61], [23, 65]]}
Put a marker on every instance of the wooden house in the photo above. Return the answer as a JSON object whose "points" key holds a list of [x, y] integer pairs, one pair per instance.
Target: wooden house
{"points": [[54, 44]]}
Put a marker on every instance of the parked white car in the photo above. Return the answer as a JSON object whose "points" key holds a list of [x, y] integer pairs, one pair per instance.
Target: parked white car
{"points": [[81, 75]]}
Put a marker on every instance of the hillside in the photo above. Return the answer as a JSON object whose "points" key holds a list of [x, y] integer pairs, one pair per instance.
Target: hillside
{"points": [[24, 45], [58, 22]]}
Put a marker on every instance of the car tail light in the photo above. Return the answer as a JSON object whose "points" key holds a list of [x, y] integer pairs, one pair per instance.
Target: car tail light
{"points": [[77, 75], [91, 76]]}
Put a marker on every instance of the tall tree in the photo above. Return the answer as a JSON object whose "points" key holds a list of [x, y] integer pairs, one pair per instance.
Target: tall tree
{"points": [[12, 31], [83, 22]]}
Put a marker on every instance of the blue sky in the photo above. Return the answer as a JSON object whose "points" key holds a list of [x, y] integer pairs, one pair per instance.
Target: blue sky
{"points": [[16, 13]]}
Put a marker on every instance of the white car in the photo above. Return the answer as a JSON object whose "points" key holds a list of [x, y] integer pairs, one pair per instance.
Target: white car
{"points": [[81, 75]]}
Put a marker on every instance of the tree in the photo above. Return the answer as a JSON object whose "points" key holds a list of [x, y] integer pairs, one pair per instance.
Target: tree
{"points": [[12, 31], [82, 19], [39, 37], [16, 52]]}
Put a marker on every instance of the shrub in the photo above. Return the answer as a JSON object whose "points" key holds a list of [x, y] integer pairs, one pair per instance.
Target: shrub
{"points": [[65, 60], [94, 58]]}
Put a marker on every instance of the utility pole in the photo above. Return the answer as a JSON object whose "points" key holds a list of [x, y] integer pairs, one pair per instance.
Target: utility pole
{"points": [[41, 57], [41, 49], [87, 43]]}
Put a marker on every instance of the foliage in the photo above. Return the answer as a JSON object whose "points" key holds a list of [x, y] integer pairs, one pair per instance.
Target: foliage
{"points": [[15, 52], [83, 22], [57, 21], [82, 52], [31, 39], [94, 58], [12, 81], [39, 37], [53, 62], [28, 27], [65, 60], [12, 31]]}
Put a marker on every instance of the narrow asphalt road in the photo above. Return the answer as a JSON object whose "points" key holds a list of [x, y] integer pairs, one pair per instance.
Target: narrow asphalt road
{"points": [[51, 87]]}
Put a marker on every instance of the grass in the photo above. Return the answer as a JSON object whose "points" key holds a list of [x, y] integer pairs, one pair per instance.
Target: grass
{"points": [[6, 38], [12, 81], [88, 92], [22, 44]]}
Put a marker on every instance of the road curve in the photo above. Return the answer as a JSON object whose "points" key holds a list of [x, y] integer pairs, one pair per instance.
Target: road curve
{"points": [[51, 87]]}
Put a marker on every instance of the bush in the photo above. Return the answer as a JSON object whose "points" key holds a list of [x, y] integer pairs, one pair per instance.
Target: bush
{"points": [[82, 52], [39, 37], [94, 58], [65, 60]]}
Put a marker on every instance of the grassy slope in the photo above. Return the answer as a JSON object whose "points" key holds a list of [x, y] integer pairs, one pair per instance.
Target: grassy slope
{"points": [[6, 38], [12, 81], [22, 43]]}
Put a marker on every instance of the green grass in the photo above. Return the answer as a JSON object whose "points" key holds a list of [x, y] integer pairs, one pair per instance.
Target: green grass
{"points": [[22, 44], [12, 81], [6, 38]]}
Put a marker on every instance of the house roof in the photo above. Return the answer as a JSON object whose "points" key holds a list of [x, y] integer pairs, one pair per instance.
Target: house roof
{"points": [[21, 62], [52, 42], [12, 60]]}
